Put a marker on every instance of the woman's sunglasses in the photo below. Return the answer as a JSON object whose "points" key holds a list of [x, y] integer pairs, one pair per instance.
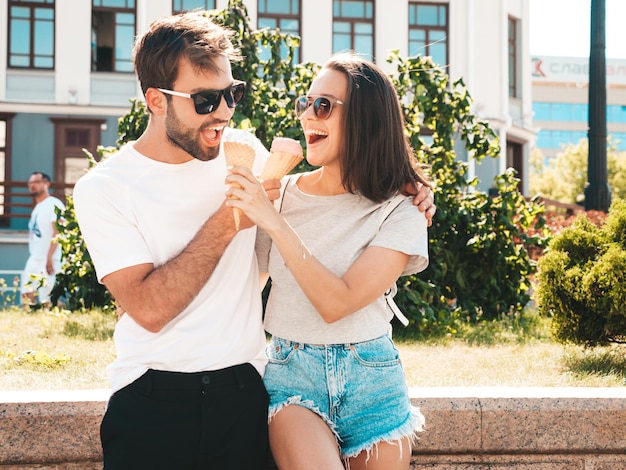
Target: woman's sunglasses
{"points": [[208, 101], [322, 105]]}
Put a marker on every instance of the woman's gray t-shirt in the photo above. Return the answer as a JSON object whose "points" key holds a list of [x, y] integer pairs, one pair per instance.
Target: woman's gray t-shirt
{"points": [[337, 229]]}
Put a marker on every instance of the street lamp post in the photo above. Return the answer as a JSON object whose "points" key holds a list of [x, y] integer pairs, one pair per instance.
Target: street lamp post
{"points": [[597, 191]]}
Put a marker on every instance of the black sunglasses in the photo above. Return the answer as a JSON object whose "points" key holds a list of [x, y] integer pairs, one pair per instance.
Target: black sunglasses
{"points": [[208, 101], [322, 105]]}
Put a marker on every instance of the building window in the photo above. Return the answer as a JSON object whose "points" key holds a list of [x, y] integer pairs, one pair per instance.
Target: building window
{"points": [[513, 57], [31, 34], [179, 6], [428, 31], [353, 27], [556, 139], [71, 137], [112, 35], [575, 112], [283, 15], [616, 114]]}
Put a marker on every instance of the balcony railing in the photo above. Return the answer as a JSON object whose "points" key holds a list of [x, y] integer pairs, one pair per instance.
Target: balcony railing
{"points": [[17, 203]]}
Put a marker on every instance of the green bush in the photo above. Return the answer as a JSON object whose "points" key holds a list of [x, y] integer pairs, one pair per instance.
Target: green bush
{"points": [[582, 280], [76, 286], [129, 127], [479, 263]]}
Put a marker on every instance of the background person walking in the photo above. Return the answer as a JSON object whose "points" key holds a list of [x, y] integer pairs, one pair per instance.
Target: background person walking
{"points": [[44, 260]]}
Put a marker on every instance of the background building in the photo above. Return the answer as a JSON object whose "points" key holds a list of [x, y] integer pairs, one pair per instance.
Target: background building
{"points": [[560, 90], [66, 75]]}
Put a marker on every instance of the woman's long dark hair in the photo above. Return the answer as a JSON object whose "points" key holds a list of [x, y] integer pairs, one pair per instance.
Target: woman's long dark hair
{"points": [[378, 160]]}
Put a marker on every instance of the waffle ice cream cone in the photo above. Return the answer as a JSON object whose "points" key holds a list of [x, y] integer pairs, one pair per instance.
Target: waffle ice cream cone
{"points": [[285, 154], [238, 154]]}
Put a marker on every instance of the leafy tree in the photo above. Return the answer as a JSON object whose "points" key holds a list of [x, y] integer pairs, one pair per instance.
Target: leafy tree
{"points": [[564, 177], [272, 85], [129, 127], [479, 264]]}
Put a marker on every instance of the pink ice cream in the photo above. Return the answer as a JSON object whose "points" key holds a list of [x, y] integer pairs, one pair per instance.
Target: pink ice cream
{"points": [[286, 145], [285, 154]]}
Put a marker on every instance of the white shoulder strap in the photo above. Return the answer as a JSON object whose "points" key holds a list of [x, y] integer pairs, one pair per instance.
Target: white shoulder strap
{"points": [[278, 203], [391, 205], [393, 290]]}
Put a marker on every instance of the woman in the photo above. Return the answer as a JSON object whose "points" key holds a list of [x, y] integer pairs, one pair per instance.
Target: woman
{"points": [[338, 396]]}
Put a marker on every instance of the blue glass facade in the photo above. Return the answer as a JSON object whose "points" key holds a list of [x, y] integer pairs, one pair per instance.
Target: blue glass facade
{"points": [[573, 112]]}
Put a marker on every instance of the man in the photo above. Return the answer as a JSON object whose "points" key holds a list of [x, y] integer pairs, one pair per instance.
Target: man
{"points": [[44, 259], [187, 388]]}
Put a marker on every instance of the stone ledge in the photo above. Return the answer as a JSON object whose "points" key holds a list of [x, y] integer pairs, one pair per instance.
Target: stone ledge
{"points": [[51, 429], [466, 428], [522, 420]]}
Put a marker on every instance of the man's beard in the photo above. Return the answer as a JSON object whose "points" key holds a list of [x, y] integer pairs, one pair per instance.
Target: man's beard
{"points": [[186, 138]]}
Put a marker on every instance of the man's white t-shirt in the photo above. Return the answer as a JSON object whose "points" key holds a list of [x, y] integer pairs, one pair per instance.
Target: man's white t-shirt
{"points": [[40, 234], [134, 210], [40, 231]]}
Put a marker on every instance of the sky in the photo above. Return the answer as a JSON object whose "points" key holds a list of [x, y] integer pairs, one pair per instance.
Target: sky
{"points": [[562, 28]]}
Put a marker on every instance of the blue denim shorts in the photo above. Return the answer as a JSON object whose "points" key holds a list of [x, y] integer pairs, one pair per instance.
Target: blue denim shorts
{"points": [[358, 389]]}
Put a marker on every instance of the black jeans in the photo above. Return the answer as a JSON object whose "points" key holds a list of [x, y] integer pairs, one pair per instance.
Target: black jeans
{"points": [[213, 420]]}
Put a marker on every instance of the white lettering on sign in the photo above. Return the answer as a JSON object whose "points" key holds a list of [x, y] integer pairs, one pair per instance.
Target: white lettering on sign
{"points": [[574, 69]]}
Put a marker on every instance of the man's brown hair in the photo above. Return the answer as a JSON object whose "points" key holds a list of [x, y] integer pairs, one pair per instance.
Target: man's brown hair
{"points": [[191, 35]]}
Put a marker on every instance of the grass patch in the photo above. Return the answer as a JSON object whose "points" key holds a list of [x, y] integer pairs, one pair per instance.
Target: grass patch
{"points": [[62, 350], [55, 349], [513, 351], [94, 328], [608, 362], [510, 328], [536, 364]]}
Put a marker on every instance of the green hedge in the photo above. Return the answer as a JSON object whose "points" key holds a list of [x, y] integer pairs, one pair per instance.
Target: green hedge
{"points": [[582, 280]]}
